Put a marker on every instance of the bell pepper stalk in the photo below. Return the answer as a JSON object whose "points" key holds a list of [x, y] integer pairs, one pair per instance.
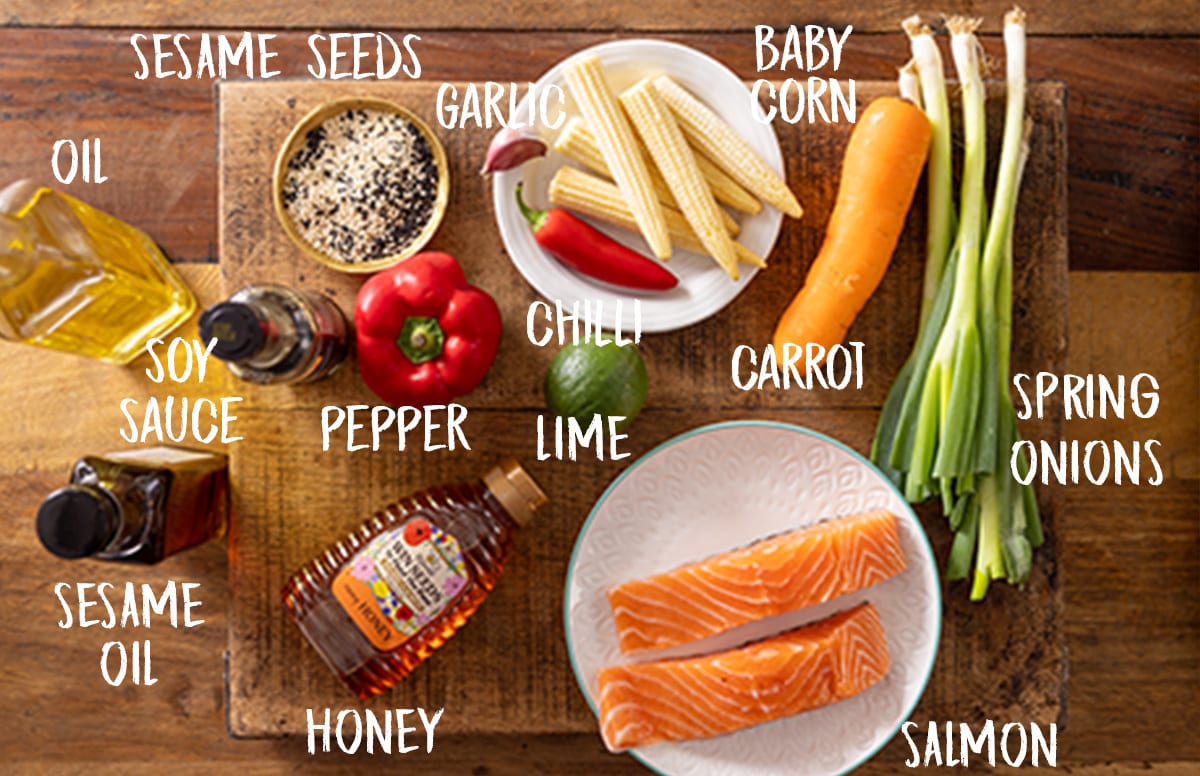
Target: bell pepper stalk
{"points": [[591, 252], [424, 335]]}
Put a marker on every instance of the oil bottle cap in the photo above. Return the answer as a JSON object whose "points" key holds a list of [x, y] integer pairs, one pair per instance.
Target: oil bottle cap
{"points": [[76, 521], [516, 491], [238, 331]]}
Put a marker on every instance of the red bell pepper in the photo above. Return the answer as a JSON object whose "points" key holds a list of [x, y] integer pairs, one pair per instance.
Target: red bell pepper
{"points": [[591, 252], [424, 335]]}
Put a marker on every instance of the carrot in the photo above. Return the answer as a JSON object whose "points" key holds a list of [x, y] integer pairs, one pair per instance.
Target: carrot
{"points": [[880, 171]]}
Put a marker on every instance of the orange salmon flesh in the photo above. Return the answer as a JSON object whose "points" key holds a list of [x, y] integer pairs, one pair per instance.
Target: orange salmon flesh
{"points": [[776, 575], [700, 697]]}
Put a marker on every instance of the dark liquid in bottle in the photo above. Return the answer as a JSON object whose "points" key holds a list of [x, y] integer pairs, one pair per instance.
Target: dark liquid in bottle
{"points": [[139, 506]]}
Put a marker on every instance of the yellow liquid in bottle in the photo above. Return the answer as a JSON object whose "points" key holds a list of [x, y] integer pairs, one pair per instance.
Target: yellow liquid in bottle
{"points": [[78, 280]]}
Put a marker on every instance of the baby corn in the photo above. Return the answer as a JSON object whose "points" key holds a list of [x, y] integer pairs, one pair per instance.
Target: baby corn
{"points": [[677, 163], [707, 132], [576, 143], [596, 198], [619, 147]]}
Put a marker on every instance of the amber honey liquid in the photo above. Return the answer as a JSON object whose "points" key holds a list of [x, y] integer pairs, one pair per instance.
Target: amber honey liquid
{"points": [[471, 515], [75, 279]]}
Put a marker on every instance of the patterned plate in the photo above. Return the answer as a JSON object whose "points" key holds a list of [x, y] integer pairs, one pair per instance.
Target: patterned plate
{"points": [[724, 486]]}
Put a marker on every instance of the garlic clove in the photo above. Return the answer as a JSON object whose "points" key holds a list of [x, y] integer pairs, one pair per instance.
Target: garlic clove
{"points": [[512, 147]]}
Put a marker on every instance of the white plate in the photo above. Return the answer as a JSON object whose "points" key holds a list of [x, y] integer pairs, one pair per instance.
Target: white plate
{"points": [[723, 486], [703, 288]]}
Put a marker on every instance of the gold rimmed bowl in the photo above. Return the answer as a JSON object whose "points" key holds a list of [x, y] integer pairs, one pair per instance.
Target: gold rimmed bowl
{"points": [[299, 140]]}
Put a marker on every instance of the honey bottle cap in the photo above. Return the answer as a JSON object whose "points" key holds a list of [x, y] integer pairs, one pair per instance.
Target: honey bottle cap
{"points": [[515, 489]]}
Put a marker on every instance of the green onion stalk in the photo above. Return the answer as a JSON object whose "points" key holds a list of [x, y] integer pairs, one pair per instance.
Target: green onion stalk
{"points": [[940, 223], [1009, 524], [927, 61], [946, 402], [948, 424]]}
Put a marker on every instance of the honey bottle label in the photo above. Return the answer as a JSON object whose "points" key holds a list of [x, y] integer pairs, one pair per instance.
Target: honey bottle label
{"points": [[401, 582]]}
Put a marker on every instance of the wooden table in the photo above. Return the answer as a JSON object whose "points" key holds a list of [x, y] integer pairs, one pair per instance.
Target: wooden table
{"points": [[1128, 555]]}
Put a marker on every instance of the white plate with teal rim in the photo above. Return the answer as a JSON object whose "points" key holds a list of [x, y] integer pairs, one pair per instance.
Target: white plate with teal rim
{"points": [[723, 486], [704, 288]]}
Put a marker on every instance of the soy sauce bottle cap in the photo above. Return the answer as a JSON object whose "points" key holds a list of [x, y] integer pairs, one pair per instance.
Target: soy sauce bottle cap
{"points": [[77, 521], [237, 329], [516, 491]]}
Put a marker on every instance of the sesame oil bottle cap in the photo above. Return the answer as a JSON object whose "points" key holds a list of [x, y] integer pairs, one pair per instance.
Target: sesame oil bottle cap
{"points": [[77, 521], [515, 489]]}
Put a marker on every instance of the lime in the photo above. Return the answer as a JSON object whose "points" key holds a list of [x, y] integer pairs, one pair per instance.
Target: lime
{"points": [[585, 379]]}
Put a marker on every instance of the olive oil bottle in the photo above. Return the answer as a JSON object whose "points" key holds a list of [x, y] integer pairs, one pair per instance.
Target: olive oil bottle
{"points": [[78, 280]]}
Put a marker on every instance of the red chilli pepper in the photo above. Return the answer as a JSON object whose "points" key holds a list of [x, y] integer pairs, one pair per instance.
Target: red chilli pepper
{"points": [[424, 335], [593, 253]]}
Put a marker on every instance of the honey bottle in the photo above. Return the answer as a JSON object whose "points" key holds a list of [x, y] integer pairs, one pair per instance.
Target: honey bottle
{"points": [[268, 333], [377, 603], [78, 280], [138, 506]]}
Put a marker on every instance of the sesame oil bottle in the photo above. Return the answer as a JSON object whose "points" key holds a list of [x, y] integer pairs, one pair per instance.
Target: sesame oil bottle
{"points": [[137, 506]]}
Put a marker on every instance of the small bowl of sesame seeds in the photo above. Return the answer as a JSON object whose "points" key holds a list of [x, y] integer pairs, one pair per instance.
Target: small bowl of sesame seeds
{"points": [[361, 184]]}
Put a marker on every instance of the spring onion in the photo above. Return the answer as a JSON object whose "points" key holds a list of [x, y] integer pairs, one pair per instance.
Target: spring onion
{"points": [[948, 424]]}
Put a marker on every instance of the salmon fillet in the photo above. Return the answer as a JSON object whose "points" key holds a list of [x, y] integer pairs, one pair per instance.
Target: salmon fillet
{"points": [[775, 575], [700, 697]]}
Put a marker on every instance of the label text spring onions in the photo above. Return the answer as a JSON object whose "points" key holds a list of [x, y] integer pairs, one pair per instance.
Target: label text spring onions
{"points": [[1087, 397]]}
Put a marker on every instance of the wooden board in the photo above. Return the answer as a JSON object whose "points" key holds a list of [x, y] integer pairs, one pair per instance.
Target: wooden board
{"points": [[1130, 616], [507, 671]]}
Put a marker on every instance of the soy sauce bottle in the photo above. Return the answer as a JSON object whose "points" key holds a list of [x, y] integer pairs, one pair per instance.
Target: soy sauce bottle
{"points": [[377, 603], [268, 333]]}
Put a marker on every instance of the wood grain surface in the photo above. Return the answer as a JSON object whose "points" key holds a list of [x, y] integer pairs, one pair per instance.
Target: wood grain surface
{"points": [[1123, 17], [1127, 555], [1127, 559], [293, 499], [1134, 124]]}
